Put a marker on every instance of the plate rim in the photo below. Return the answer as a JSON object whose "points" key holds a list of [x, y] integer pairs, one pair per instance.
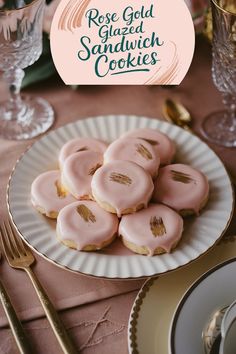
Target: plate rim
{"points": [[186, 295], [134, 314], [106, 116], [137, 305]]}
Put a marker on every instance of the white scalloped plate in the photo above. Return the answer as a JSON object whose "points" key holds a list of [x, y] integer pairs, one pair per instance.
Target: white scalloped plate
{"points": [[114, 262]]}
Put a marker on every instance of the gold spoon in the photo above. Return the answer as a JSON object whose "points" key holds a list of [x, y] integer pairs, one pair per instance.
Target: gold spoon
{"points": [[176, 113]]}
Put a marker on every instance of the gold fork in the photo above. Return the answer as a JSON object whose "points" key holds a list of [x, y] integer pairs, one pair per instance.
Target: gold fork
{"points": [[15, 324], [19, 256]]}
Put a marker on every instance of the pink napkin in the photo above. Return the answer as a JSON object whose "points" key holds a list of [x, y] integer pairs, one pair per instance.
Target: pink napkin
{"points": [[96, 328], [65, 289]]}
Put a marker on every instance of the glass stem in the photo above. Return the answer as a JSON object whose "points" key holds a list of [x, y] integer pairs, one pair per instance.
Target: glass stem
{"points": [[229, 101], [13, 78]]}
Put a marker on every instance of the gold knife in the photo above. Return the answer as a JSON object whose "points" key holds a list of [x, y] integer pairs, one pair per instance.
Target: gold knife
{"points": [[15, 324]]}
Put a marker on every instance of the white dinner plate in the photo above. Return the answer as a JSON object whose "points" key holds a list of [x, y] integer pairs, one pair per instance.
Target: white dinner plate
{"points": [[116, 262], [215, 289]]}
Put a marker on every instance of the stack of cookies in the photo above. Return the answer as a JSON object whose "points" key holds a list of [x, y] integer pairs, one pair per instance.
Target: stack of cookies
{"points": [[130, 188]]}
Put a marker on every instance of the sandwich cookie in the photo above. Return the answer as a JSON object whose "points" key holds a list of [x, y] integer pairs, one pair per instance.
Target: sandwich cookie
{"points": [[151, 231], [164, 146], [182, 188], [77, 173], [135, 150], [122, 187], [85, 226], [78, 145], [48, 195]]}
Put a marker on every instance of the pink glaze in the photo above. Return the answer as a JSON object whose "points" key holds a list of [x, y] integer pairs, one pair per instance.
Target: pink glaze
{"points": [[133, 149], [82, 144], [184, 193], [99, 228], [77, 172], [164, 146], [136, 228], [44, 194], [122, 196]]}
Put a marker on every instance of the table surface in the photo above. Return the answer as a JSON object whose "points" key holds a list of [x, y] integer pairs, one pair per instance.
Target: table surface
{"points": [[97, 313]]}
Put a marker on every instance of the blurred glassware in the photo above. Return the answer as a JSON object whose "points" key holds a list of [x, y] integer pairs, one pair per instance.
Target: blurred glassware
{"points": [[198, 9], [220, 127], [207, 31], [48, 14], [21, 117]]}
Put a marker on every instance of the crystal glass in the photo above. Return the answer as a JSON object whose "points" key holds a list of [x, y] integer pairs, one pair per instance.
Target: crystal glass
{"points": [[21, 116], [220, 127], [198, 9]]}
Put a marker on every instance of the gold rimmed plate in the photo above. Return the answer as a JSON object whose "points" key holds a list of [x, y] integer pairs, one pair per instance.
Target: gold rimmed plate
{"points": [[213, 290], [155, 308], [116, 262]]}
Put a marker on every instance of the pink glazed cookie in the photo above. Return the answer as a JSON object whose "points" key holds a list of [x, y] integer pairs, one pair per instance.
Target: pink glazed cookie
{"points": [[77, 173], [80, 144], [135, 150], [164, 146], [47, 194], [85, 226], [151, 231], [122, 187], [182, 188]]}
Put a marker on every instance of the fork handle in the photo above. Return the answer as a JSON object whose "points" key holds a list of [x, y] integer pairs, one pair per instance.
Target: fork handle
{"points": [[15, 324], [58, 328]]}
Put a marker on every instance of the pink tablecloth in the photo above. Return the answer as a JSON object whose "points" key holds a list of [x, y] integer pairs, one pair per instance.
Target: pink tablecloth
{"points": [[96, 311]]}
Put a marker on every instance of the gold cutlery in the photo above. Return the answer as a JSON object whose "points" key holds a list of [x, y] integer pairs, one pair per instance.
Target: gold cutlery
{"points": [[176, 113], [217, 328], [211, 333], [20, 257], [14, 322]]}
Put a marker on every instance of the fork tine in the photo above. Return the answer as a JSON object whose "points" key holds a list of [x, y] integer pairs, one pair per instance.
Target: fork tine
{"points": [[12, 238], [9, 238], [1, 239], [17, 240], [5, 243]]}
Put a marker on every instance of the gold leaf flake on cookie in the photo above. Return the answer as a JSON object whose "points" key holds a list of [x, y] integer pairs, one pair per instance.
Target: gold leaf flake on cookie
{"points": [[94, 169], [61, 191], [84, 148], [181, 177], [150, 141], [144, 152], [86, 213], [119, 178], [157, 226]]}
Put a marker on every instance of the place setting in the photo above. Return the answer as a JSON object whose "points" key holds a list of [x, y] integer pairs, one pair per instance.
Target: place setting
{"points": [[116, 206], [36, 187]]}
